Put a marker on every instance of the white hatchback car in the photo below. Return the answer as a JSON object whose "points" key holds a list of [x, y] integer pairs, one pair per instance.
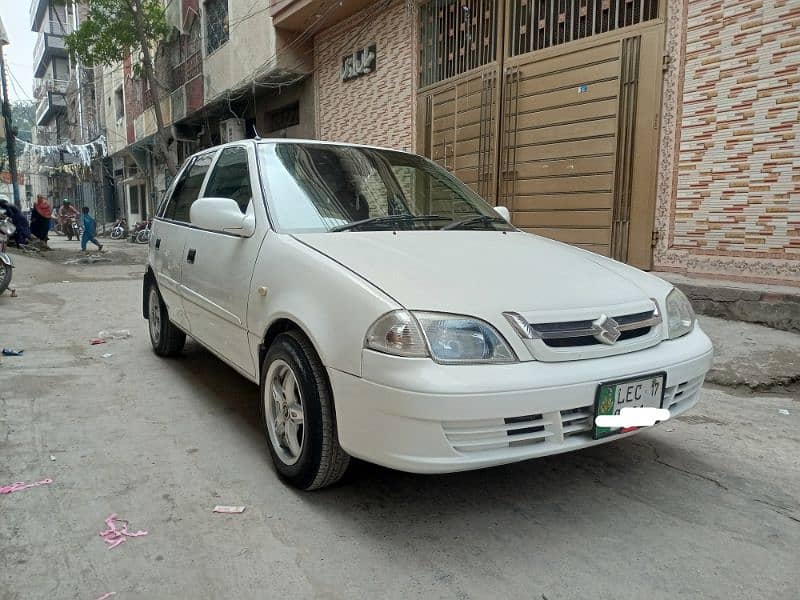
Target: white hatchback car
{"points": [[390, 314]]}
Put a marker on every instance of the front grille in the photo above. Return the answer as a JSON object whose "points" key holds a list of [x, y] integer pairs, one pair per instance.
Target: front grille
{"points": [[684, 392], [577, 420], [476, 436], [570, 427], [568, 334]]}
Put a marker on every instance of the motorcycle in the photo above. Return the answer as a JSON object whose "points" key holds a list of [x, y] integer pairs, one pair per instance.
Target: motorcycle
{"points": [[72, 228], [143, 234], [119, 230], [7, 229]]}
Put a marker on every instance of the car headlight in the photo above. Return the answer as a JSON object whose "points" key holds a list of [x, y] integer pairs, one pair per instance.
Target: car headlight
{"points": [[680, 315], [448, 339]]}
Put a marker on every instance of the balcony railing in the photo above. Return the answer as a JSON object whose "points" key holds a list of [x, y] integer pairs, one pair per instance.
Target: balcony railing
{"points": [[48, 106], [47, 46], [43, 86]]}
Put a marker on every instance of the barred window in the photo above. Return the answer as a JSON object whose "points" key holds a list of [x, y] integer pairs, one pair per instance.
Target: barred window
{"points": [[455, 36], [540, 24], [216, 24]]}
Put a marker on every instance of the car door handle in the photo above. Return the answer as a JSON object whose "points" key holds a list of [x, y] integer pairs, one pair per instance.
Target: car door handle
{"points": [[191, 255], [158, 243]]}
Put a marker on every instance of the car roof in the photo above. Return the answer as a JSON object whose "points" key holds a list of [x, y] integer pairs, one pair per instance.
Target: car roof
{"points": [[294, 141]]}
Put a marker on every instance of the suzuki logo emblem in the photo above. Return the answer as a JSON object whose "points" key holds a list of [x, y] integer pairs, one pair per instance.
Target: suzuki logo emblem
{"points": [[606, 330]]}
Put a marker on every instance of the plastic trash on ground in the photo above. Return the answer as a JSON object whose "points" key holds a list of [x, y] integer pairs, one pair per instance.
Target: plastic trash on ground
{"points": [[10, 352], [229, 510], [113, 536], [21, 485], [114, 334]]}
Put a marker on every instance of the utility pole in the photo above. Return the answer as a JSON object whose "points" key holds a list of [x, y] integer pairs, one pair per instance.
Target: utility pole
{"points": [[10, 139]]}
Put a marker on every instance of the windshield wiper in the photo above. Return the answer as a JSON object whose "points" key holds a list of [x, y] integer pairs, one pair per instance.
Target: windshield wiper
{"points": [[479, 220], [388, 220]]}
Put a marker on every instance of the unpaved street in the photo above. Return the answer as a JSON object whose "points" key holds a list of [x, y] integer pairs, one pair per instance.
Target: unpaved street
{"points": [[707, 506]]}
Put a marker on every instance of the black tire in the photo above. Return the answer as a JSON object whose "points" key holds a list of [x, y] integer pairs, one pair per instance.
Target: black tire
{"points": [[321, 461], [167, 340], [5, 276], [143, 237]]}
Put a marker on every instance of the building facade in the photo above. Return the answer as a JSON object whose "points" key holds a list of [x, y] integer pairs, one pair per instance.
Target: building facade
{"points": [[661, 133], [67, 113]]}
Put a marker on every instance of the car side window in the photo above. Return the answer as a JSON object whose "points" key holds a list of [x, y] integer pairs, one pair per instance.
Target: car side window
{"points": [[187, 189], [231, 178], [170, 193]]}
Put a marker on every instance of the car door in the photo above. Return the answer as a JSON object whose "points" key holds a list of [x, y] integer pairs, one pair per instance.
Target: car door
{"points": [[168, 241], [216, 281]]}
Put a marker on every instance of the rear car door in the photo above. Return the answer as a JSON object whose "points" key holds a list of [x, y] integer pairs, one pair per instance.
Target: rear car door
{"points": [[216, 282], [168, 241]]}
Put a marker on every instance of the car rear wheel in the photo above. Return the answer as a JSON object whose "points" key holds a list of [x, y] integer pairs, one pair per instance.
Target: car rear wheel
{"points": [[297, 414], [167, 340]]}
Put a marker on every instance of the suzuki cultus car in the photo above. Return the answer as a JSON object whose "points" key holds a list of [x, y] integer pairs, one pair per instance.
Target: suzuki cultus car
{"points": [[389, 313]]}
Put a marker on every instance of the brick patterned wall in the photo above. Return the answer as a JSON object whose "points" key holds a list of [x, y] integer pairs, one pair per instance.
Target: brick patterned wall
{"points": [[377, 108], [735, 92]]}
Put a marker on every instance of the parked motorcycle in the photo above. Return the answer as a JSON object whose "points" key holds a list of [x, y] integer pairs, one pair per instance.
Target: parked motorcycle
{"points": [[119, 230], [7, 229], [143, 235]]}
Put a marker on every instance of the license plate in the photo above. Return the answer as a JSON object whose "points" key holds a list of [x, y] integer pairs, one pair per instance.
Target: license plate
{"points": [[613, 396]]}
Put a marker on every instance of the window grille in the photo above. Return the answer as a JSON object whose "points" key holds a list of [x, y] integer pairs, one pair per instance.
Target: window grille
{"points": [[216, 24], [539, 24], [455, 37]]}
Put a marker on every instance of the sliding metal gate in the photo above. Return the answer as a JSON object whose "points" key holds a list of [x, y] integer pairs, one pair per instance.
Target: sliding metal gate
{"points": [[559, 122]]}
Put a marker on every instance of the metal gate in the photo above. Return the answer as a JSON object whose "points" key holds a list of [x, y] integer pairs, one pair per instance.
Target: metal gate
{"points": [[561, 124]]}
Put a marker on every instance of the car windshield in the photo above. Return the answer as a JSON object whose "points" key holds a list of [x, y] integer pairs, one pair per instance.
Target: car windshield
{"points": [[339, 189]]}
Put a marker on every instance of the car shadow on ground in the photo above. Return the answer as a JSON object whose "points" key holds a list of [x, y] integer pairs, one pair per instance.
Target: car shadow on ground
{"points": [[589, 484]]}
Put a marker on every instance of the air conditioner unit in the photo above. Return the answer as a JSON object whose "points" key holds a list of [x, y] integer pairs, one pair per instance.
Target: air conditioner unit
{"points": [[231, 130]]}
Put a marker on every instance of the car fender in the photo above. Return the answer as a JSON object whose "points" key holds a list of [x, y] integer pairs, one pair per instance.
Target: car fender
{"points": [[333, 306]]}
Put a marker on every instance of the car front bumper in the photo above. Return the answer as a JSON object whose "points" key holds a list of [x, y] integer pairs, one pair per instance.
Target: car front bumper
{"points": [[419, 416]]}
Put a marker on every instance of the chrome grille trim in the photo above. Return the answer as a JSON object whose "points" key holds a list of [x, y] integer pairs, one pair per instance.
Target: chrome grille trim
{"points": [[576, 329]]}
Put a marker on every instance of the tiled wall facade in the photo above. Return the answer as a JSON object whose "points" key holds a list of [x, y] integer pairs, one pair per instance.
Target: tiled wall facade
{"points": [[729, 186], [377, 108]]}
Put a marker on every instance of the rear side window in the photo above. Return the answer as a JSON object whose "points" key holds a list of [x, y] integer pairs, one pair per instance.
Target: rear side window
{"points": [[231, 178], [187, 189]]}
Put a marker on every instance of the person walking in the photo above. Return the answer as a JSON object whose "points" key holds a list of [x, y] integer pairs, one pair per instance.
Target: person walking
{"points": [[40, 219], [89, 227]]}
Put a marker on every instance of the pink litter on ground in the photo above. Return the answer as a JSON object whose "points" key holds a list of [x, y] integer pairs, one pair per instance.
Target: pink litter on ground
{"points": [[108, 595], [21, 485], [113, 536]]}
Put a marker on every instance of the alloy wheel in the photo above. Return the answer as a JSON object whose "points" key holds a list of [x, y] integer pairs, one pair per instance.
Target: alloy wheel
{"points": [[154, 304], [283, 402]]}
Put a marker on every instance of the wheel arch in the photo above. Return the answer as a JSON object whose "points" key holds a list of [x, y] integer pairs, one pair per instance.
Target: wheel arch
{"points": [[279, 325]]}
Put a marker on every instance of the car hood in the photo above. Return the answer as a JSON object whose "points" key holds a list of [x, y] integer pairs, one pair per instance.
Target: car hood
{"points": [[485, 272]]}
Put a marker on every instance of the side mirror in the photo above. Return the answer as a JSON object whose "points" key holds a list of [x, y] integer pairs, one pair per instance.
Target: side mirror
{"points": [[503, 212], [221, 214]]}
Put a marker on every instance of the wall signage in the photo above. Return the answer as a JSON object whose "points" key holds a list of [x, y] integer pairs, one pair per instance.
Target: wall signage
{"points": [[359, 63]]}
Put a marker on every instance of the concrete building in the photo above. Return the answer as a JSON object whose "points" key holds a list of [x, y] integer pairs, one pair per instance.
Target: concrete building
{"points": [[661, 133], [67, 111], [224, 74]]}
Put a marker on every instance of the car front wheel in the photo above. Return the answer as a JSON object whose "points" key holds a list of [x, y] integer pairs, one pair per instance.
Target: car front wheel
{"points": [[297, 413], [167, 340]]}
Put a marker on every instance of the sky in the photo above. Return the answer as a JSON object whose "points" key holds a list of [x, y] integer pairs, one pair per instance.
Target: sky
{"points": [[19, 53]]}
